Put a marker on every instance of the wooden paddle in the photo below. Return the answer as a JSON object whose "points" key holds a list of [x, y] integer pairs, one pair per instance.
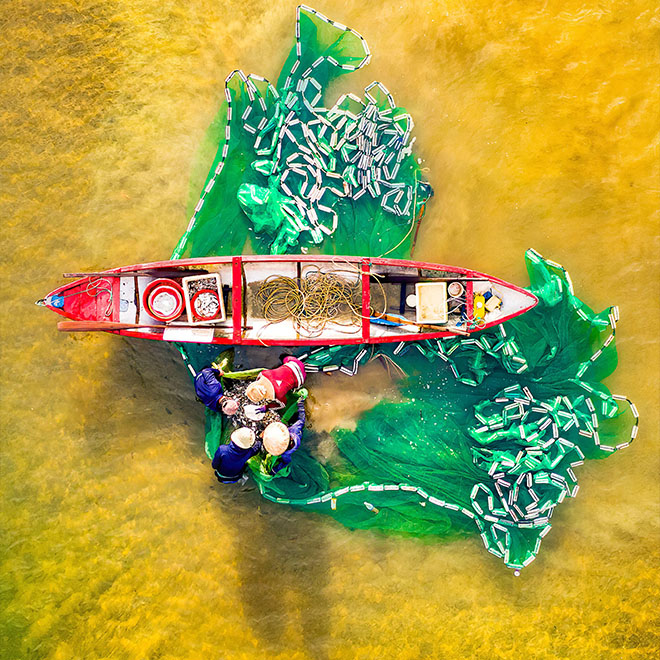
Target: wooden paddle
{"points": [[92, 326], [148, 272]]}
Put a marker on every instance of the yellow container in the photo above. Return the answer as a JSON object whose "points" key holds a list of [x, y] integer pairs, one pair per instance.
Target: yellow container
{"points": [[479, 306]]}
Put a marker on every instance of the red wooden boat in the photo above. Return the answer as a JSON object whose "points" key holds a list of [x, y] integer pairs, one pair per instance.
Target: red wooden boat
{"points": [[287, 300]]}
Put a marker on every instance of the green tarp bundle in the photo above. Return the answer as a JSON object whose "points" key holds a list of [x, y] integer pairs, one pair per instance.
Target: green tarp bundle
{"points": [[489, 428]]}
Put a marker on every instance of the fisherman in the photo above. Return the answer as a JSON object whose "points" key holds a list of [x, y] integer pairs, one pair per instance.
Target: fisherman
{"points": [[233, 402], [230, 459], [208, 389], [280, 442], [273, 385]]}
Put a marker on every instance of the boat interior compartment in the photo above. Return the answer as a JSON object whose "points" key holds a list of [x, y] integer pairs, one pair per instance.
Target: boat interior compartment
{"points": [[302, 300], [394, 295], [128, 301], [201, 310], [498, 300], [308, 300], [132, 304]]}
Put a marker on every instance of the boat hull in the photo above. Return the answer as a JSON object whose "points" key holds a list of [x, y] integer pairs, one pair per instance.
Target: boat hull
{"points": [[392, 297]]}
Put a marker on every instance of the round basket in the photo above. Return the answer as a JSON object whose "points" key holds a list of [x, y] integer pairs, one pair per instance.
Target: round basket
{"points": [[163, 299], [205, 305]]}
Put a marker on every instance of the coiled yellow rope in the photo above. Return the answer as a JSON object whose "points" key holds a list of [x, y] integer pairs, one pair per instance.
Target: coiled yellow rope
{"points": [[313, 301]]}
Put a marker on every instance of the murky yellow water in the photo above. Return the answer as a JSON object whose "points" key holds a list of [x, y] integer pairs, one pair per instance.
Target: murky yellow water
{"points": [[538, 123]]}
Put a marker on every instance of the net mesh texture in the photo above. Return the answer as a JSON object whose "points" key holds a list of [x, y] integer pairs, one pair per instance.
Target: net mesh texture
{"points": [[291, 173]]}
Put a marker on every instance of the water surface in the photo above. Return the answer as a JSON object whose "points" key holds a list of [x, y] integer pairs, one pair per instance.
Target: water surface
{"points": [[538, 124]]}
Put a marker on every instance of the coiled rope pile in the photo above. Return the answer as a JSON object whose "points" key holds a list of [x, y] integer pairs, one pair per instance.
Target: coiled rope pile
{"points": [[313, 301]]}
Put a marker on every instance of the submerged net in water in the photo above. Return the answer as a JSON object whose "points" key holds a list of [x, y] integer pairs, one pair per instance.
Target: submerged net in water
{"points": [[490, 427]]}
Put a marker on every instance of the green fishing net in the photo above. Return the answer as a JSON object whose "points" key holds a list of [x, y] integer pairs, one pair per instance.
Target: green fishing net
{"points": [[488, 429], [486, 435], [291, 173]]}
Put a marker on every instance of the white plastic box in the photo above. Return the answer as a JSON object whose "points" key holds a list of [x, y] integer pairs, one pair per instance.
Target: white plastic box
{"points": [[431, 302], [190, 285]]}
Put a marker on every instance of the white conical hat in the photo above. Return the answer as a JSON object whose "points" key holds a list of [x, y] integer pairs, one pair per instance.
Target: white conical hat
{"points": [[259, 390], [243, 437], [276, 438]]}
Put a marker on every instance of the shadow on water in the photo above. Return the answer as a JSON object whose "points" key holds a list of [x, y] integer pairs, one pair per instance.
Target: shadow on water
{"points": [[142, 385], [281, 555], [150, 377], [154, 376], [283, 566], [156, 372]]}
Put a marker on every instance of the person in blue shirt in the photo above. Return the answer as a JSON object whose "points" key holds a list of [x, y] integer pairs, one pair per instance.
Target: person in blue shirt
{"points": [[281, 442], [208, 389], [230, 459]]}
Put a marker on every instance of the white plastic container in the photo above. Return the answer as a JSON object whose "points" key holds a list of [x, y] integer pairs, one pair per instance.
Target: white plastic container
{"points": [[431, 302], [195, 282]]}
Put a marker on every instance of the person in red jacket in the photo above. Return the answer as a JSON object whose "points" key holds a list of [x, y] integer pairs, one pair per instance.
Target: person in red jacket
{"points": [[274, 384]]}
